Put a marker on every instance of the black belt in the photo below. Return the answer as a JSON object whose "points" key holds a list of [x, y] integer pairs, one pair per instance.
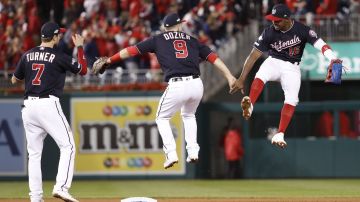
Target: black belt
{"points": [[295, 63], [175, 79], [40, 97]]}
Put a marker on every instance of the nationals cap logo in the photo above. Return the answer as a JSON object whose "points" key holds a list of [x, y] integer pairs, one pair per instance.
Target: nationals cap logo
{"points": [[273, 11]]}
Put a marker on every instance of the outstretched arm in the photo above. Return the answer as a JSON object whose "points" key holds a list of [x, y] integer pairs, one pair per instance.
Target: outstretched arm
{"points": [[79, 43], [248, 65], [325, 49], [334, 70], [220, 65], [123, 54], [102, 63]]}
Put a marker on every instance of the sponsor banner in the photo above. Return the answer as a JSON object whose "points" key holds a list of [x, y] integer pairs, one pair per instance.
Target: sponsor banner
{"points": [[119, 136], [12, 139], [314, 64]]}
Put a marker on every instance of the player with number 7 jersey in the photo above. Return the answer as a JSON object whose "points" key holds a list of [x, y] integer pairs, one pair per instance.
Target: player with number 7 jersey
{"points": [[43, 69], [179, 55]]}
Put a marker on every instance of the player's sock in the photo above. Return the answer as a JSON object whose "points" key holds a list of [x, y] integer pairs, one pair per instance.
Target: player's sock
{"points": [[256, 89], [286, 115]]}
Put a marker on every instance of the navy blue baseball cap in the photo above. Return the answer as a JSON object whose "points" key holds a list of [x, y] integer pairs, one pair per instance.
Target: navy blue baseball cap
{"points": [[279, 12], [172, 19], [49, 29]]}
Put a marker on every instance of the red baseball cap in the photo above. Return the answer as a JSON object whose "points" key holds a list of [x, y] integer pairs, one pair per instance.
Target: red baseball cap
{"points": [[279, 12]]}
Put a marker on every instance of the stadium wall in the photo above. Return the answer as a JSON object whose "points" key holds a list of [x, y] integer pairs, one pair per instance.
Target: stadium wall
{"points": [[306, 156]]}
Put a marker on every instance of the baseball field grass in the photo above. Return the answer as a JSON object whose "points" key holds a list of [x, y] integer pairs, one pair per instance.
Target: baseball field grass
{"points": [[198, 190]]}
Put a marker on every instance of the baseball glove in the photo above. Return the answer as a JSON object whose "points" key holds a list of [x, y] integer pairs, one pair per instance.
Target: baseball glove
{"points": [[99, 66], [334, 72]]}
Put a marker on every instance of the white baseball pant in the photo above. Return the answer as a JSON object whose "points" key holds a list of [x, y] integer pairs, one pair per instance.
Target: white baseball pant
{"points": [[287, 73], [41, 117], [185, 95]]}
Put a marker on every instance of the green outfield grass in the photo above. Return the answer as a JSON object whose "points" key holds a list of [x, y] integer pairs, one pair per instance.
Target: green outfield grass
{"points": [[197, 188]]}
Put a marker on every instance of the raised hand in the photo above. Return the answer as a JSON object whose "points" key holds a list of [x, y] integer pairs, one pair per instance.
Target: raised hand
{"points": [[78, 40]]}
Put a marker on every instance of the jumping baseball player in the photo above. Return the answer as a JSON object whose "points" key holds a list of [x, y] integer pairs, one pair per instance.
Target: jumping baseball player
{"points": [[179, 55], [43, 70], [285, 42]]}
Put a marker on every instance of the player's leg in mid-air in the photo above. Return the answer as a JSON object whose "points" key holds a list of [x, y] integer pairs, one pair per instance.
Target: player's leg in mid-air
{"points": [[56, 125], [290, 83], [188, 116], [268, 71], [170, 102]]}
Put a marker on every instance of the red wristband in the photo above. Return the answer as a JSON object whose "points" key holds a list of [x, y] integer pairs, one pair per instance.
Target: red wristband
{"points": [[325, 48], [132, 50], [82, 61], [212, 57], [115, 58]]}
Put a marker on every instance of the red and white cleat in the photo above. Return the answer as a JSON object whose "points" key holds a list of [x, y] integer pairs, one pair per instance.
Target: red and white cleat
{"points": [[247, 107]]}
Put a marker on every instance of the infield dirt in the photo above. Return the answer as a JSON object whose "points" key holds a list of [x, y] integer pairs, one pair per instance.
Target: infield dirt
{"points": [[212, 200]]}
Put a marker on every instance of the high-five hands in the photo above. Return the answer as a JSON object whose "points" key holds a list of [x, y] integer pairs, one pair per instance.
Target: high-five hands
{"points": [[231, 82], [239, 84]]}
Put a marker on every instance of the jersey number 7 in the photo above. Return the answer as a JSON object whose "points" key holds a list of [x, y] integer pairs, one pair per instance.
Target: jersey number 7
{"points": [[40, 69], [181, 49]]}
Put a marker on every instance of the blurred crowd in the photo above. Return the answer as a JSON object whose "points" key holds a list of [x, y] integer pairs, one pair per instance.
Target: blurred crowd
{"points": [[110, 25], [306, 10]]}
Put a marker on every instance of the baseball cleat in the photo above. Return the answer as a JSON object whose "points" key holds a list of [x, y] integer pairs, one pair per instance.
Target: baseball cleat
{"points": [[247, 107], [278, 140], [192, 159], [170, 163], [171, 159], [65, 196]]}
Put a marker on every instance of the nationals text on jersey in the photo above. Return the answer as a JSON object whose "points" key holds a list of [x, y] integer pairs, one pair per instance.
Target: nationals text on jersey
{"points": [[40, 56], [176, 35], [280, 45]]}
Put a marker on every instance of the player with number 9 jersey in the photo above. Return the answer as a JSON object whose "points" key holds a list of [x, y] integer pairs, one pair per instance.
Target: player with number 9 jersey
{"points": [[179, 55]]}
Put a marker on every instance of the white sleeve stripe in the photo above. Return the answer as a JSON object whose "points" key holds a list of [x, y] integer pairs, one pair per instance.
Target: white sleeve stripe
{"points": [[17, 78], [138, 50], [257, 48], [209, 55], [79, 67]]}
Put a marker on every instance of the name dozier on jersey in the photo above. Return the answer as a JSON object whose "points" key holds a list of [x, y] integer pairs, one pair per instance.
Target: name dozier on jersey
{"points": [[176, 35], [40, 56]]}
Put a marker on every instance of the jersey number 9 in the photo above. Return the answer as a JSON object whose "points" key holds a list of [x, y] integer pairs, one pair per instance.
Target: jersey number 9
{"points": [[181, 49]]}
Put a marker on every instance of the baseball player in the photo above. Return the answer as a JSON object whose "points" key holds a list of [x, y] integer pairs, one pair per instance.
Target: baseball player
{"points": [[179, 55], [284, 41], [43, 70]]}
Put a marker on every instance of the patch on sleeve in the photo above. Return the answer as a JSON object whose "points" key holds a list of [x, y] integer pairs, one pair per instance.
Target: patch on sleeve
{"points": [[312, 33]]}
